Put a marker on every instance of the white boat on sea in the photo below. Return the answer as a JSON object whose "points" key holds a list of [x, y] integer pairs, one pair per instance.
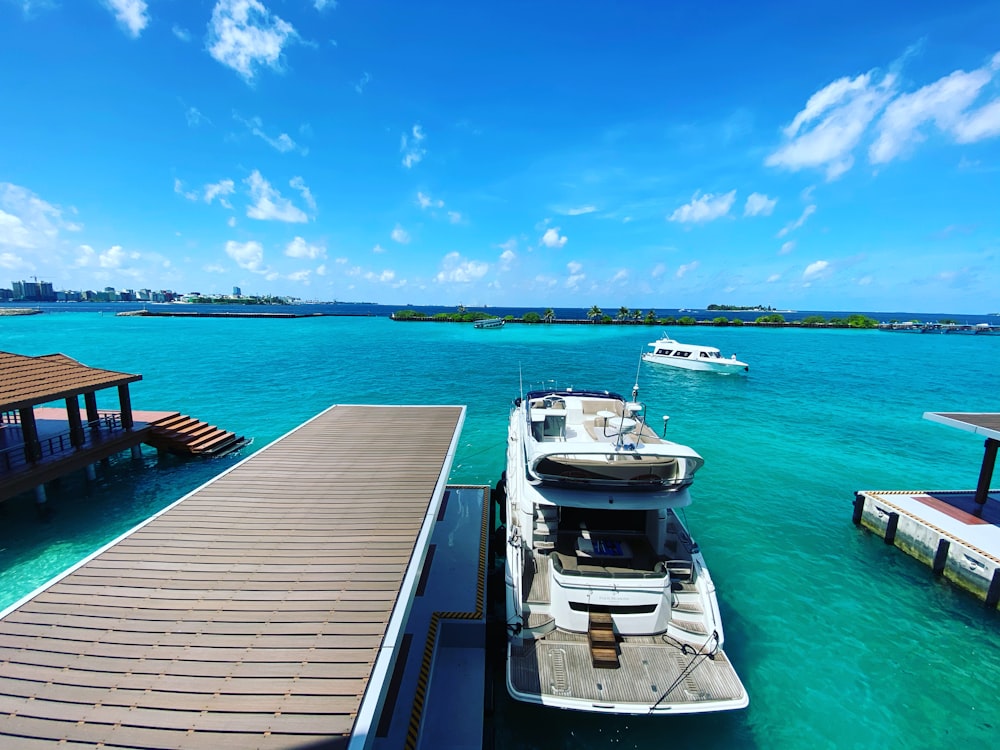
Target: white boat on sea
{"points": [[609, 604], [489, 323], [667, 351]]}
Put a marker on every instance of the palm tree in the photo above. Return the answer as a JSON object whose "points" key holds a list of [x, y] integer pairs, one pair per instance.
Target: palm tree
{"points": [[637, 315], [622, 313], [548, 315], [651, 317], [461, 309], [595, 313]]}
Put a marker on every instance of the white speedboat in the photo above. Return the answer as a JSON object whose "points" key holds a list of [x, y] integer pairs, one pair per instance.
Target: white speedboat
{"points": [[489, 323], [609, 605], [667, 351]]}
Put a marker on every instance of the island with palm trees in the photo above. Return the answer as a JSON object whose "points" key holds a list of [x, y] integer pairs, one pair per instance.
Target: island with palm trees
{"points": [[627, 316]]}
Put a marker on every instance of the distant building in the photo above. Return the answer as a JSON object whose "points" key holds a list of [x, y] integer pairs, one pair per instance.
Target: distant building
{"points": [[33, 291], [237, 292]]}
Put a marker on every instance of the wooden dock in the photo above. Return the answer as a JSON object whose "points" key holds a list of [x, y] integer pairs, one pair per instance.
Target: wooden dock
{"points": [[955, 532], [262, 610]]}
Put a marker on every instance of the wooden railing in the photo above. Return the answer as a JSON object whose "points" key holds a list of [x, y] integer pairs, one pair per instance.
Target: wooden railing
{"points": [[15, 457]]}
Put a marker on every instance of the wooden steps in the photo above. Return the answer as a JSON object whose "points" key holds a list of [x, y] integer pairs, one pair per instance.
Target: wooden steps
{"points": [[182, 434], [603, 642]]}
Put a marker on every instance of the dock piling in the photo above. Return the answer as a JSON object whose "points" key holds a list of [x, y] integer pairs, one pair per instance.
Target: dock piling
{"points": [[941, 556]]}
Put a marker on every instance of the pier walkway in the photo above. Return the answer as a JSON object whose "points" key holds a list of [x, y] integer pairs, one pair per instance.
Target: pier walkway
{"points": [[955, 532], [265, 609]]}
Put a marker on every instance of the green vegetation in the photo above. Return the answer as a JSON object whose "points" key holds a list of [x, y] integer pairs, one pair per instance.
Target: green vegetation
{"points": [[629, 316], [773, 318], [408, 315]]}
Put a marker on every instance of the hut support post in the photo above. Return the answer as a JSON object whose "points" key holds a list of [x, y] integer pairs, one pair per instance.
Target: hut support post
{"points": [[32, 448], [76, 436], [90, 400], [986, 473], [126, 405]]}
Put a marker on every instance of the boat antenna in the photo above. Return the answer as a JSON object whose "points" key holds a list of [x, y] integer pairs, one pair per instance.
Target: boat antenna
{"points": [[635, 388], [520, 380]]}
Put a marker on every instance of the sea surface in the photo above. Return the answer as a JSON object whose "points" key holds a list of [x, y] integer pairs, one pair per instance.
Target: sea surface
{"points": [[841, 641]]}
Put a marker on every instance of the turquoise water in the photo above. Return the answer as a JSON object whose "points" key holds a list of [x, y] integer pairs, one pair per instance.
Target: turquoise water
{"points": [[841, 641]]}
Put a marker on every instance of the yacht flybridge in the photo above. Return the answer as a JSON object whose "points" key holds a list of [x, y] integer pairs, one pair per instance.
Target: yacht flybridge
{"points": [[610, 607]]}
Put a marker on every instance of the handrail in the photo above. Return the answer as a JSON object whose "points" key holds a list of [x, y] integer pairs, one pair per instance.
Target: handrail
{"points": [[16, 456]]}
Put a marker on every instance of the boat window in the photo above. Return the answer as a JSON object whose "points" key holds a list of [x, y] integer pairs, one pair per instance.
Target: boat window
{"points": [[703, 354], [664, 352], [682, 354]]}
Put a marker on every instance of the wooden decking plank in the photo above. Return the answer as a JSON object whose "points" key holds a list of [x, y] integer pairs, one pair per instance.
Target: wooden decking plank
{"points": [[248, 615], [169, 683]]}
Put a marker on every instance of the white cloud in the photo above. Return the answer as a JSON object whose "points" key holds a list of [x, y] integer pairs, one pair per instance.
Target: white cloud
{"points": [[824, 134], [377, 249], [507, 258], [411, 148], [576, 275], [457, 271], [283, 143], [219, 190], [551, 238], [400, 235], [384, 277], [619, 277], [773, 278], [759, 204], [362, 83], [299, 248], [27, 222], [658, 270], [11, 261], [787, 247], [181, 33], [705, 208], [455, 217], [299, 184], [806, 213], [248, 255], [179, 189], [113, 258], [130, 14], [232, 221], [194, 117], [579, 210], [682, 270], [244, 35], [425, 201], [816, 270], [268, 205], [321, 5], [946, 103]]}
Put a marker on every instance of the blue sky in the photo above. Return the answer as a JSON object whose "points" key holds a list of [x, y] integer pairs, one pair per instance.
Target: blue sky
{"points": [[833, 156]]}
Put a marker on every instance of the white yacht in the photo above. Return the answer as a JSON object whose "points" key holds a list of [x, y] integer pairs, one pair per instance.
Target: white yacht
{"points": [[667, 351], [609, 605]]}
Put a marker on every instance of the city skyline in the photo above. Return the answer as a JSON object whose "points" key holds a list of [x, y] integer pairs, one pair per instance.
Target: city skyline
{"points": [[841, 157]]}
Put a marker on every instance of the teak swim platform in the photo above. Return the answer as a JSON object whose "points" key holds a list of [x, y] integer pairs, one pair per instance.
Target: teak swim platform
{"points": [[265, 609]]}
